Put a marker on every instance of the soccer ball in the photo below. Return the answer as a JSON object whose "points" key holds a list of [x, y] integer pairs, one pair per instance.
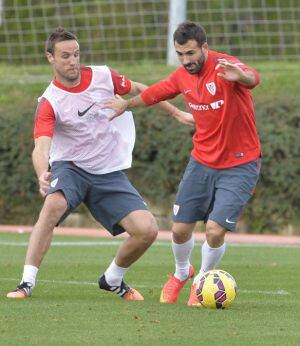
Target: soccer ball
{"points": [[216, 289]]}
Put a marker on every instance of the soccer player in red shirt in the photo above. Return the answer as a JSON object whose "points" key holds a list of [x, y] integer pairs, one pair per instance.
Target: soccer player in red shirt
{"points": [[87, 154], [225, 161]]}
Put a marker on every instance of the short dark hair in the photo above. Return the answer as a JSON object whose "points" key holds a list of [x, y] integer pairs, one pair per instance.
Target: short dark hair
{"points": [[190, 31], [58, 35]]}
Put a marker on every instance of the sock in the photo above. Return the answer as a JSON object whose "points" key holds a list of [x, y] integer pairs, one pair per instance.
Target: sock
{"points": [[211, 257], [114, 274], [29, 274], [182, 253]]}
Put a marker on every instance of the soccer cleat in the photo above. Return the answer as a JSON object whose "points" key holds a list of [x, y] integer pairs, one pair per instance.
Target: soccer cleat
{"points": [[173, 287], [22, 291], [123, 291], [193, 299]]}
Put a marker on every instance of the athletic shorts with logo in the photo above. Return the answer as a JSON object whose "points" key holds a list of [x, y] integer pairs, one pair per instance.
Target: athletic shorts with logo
{"points": [[215, 194], [109, 197]]}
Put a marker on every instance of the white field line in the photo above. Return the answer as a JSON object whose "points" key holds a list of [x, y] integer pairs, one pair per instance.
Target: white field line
{"points": [[118, 242], [85, 283], [66, 243]]}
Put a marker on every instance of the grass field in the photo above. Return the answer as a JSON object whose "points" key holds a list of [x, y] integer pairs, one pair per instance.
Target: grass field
{"points": [[68, 308]]}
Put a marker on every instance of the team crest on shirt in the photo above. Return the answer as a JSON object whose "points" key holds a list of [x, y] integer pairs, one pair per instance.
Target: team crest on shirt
{"points": [[211, 87]]}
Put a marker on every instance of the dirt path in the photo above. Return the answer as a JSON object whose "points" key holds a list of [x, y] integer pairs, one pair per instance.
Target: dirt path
{"points": [[163, 235]]}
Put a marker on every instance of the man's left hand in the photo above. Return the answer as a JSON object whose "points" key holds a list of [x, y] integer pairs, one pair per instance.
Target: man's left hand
{"points": [[234, 73], [184, 118]]}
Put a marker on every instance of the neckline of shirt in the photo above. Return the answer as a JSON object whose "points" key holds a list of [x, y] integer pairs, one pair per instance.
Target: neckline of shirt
{"points": [[85, 81]]}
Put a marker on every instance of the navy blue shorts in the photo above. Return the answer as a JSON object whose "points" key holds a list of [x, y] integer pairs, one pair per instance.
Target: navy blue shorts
{"points": [[109, 197], [215, 194]]}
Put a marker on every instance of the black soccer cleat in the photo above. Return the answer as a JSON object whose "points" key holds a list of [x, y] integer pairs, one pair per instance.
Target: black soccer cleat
{"points": [[123, 291]]}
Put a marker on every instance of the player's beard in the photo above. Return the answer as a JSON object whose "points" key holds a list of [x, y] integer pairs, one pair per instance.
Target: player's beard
{"points": [[70, 75], [198, 65], [73, 74]]}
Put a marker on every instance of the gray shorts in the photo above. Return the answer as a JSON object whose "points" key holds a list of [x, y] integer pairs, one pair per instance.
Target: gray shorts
{"points": [[215, 194], [109, 197]]}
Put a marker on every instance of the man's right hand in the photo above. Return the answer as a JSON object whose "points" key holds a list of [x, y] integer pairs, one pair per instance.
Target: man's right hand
{"points": [[44, 182]]}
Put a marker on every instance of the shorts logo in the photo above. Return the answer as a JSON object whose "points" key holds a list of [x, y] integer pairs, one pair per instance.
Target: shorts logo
{"points": [[176, 209], [211, 87], [54, 182], [228, 221]]}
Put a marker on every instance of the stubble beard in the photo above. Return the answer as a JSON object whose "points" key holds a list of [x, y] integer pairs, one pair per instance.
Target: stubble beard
{"points": [[70, 76], [199, 65]]}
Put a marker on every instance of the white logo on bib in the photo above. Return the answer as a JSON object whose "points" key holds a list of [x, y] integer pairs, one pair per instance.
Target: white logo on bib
{"points": [[54, 182], [175, 209]]}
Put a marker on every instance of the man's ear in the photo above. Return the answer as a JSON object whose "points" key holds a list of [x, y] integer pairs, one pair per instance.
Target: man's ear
{"points": [[205, 46], [50, 57]]}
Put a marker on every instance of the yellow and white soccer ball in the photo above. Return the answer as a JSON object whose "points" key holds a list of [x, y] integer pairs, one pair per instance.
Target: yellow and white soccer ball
{"points": [[216, 289]]}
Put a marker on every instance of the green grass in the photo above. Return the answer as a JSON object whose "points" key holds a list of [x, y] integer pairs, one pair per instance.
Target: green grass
{"points": [[67, 307]]}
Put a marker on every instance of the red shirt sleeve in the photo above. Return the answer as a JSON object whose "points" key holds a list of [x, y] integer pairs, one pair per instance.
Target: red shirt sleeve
{"points": [[256, 75], [44, 120], [162, 90], [122, 84]]}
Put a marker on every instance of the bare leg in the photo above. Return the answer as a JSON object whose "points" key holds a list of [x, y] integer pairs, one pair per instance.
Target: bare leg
{"points": [[142, 229], [182, 232], [215, 234], [54, 207], [213, 249]]}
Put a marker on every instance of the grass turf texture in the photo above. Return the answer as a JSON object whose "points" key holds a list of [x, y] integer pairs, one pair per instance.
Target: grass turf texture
{"points": [[68, 308]]}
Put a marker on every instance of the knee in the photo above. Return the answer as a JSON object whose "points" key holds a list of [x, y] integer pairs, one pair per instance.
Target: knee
{"points": [[182, 232], [54, 207], [215, 234], [149, 230]]}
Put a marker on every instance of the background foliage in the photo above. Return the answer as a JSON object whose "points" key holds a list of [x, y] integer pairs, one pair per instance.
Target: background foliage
{"points": [[162, 147]]}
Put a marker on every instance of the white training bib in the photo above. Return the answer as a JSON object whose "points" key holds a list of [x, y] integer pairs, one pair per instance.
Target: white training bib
{"points": [[82, 132]]}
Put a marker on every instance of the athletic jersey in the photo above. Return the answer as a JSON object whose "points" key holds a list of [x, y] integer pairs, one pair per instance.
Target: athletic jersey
{"points": [[226, 134], [80, 129]]}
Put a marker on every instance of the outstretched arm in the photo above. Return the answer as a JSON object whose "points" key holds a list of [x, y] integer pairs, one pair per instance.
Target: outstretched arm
{"points": [[119, 105]]}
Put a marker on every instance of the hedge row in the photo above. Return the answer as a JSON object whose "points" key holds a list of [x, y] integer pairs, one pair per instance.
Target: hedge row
{"points": [[160, 156]]}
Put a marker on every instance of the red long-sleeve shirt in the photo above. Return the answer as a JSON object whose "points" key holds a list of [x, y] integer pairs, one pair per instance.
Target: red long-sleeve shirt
{"points": [[226, 134]]}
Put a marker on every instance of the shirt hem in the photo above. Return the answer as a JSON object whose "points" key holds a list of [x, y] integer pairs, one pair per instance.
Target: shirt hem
{"points": [[246, 159], [92, 171]]}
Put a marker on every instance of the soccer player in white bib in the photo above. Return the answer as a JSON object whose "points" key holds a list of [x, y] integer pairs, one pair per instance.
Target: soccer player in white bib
{"points": [[87, 153]]}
